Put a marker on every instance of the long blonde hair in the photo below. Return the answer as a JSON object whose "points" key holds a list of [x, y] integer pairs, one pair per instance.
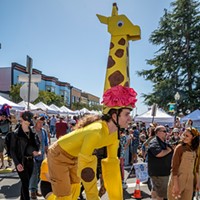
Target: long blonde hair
{"points": [[86, 120]]}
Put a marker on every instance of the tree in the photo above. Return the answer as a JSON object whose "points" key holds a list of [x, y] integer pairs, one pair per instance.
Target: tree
{"points": [[50, 98], [44, 96], [14, 93], [177, 61]]}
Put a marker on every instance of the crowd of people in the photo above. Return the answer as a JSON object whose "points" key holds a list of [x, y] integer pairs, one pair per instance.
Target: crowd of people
{"points": [[172, 155]]}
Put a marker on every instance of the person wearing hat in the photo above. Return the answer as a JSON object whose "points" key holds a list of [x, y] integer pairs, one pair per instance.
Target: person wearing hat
{"points": [[5, 125], [23, 148], [183, 163], [174, 137], [71, 159], [42, 137]]}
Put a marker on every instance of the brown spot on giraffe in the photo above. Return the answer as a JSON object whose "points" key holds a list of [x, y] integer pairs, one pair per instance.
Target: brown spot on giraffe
{"points": [[122, 41], [111, 62], [111, 45], [87, 174], [116, 78], [119, 53]]}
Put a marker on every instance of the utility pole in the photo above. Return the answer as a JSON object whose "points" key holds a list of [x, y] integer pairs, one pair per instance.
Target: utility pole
{"points": [[29, 64]]}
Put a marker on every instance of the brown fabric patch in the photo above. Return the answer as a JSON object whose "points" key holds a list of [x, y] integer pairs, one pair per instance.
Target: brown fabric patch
{"points": [[122, 41], [87, 174], [116, 78], [111, 62], [111, 45], [119, 53]]}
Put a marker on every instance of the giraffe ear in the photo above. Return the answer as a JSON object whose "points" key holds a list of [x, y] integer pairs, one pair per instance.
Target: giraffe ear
{"points": [[103, 19]]}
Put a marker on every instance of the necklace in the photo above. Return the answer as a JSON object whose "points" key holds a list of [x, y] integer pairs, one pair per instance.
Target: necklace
{"points": [[27, 133]]}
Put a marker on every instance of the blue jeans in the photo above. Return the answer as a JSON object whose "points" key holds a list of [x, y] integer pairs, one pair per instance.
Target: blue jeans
{"points": [[52, 130], [35, 177]]}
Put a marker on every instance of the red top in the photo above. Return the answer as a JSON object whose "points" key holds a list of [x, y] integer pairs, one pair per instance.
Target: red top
{"points": [[61, 128]]}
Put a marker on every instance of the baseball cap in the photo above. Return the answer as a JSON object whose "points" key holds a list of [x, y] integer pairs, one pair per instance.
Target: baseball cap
{"points": [[27, 116]]}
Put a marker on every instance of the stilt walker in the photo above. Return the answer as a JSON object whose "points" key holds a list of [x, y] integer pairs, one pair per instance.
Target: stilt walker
{"points": [[117, 74]]}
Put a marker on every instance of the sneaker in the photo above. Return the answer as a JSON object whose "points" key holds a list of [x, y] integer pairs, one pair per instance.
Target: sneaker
{"points": [[33, 195], [38, 194]]}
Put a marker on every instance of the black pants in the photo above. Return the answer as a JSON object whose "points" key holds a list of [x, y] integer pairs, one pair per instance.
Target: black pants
{"points": [[25, 176], [45, 188]]}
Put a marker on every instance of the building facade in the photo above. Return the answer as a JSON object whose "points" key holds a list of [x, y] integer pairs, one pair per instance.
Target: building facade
{"points": [[10, 76]]}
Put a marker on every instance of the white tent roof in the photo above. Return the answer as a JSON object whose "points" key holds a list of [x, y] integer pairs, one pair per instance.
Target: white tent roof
{"points": [[46, 108], [25, 104], [161, 117], [84, 111], [10, 103], [67, 110], [53, 106]]}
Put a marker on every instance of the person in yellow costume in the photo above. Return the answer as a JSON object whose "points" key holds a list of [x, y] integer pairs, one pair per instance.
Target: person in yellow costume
{"points": [[71, 159]]}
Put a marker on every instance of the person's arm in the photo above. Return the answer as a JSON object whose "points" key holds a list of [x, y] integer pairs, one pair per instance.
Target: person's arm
{"points": [[13, 146], [176, 160], [164, 152]]}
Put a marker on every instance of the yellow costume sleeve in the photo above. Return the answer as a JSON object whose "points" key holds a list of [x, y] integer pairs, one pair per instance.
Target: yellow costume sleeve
{"points": [[112, 178], [87, 165], [44, 170]]}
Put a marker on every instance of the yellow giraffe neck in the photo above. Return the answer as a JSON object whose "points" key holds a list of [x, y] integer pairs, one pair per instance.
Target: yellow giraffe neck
{"points": [[122, 30], [118, 63]]}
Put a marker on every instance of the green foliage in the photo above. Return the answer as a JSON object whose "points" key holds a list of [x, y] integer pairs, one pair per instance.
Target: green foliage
{"points": [[50, 98], [14, 93], [176, 64], [44, 96]]}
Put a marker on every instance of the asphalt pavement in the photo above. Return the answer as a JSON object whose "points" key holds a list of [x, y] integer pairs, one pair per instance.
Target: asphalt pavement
{"points": [[10, 187]]}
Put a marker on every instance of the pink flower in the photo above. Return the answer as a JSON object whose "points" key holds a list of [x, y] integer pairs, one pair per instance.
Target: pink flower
{"points": [[119, 96]]}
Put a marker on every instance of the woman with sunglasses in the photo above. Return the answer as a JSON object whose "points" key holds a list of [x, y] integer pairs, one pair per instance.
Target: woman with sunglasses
{"points": [[182, 173], [23, 148]]}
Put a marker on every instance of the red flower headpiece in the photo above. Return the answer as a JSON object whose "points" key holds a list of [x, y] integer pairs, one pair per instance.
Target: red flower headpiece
{"points": [[119, 97]]}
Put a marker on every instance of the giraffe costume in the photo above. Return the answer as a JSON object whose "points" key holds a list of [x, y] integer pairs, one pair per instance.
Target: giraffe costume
{"points": [[70, 158], [121, 30]]}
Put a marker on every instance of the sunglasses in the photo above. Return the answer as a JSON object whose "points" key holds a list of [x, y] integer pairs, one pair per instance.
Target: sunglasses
{"points": [[164, 131]]}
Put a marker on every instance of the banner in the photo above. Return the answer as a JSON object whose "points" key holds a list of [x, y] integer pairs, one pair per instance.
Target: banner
{"points": [[141, 171]]}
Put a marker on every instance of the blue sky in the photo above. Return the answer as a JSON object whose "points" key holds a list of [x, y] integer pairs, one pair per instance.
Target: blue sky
{"points": [[66, 40]]}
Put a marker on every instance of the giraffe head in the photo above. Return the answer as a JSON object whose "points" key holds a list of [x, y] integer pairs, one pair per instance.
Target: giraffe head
{"points": [[120, 25]]}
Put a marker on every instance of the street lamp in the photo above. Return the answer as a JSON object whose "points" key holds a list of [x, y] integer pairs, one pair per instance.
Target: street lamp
{"points": [[176, 97]]}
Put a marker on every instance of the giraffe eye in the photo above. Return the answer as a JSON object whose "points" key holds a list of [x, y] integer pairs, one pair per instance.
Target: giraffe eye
{"points": [[120, 23]]}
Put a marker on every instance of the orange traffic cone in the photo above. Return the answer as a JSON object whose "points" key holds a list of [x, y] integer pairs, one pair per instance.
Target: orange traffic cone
{"points": [[137, 192]]}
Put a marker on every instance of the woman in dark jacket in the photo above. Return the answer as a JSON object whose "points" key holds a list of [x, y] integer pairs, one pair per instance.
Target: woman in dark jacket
{"points": [[23, 148]]}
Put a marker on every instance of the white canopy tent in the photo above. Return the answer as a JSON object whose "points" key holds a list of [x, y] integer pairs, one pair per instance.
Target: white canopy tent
{"points": [[46, 108], [67, 110], [95, 112], [53, 106], [84, 111], [10, 103], [161, 117], [25, 105]]}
